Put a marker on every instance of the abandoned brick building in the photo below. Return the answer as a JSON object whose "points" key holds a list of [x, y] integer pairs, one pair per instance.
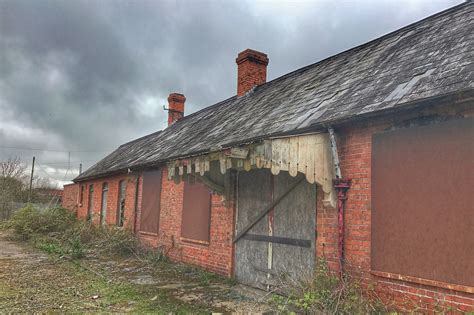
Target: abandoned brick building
{"points": [[363, 158]]}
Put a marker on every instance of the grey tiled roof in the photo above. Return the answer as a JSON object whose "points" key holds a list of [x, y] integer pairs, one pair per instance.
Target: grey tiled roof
{"points": [[429, 58]]}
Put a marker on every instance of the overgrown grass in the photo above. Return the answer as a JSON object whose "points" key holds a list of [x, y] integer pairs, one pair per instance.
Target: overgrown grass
{"points": [[84, 263], [57, 231], [326, 292]]}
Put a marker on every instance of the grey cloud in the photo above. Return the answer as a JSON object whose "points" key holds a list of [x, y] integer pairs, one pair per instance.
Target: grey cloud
{"points": [[79, 70]]}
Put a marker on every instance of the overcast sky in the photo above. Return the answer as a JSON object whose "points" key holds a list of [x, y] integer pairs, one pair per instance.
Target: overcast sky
{"points": [[89, 75]]}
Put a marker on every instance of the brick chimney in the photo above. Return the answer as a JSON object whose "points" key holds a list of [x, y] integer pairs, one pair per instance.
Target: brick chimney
{"points": [[175, 107], [251, 70]]}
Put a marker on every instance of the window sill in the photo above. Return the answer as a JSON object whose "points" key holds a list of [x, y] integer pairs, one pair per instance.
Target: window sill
{"points": [[196, 242], [433, 283], [148, 233]]}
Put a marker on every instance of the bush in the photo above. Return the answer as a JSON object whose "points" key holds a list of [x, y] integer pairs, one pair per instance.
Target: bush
{"points": [[25, 221], [29, 221], [326, 293], [57, 219]]}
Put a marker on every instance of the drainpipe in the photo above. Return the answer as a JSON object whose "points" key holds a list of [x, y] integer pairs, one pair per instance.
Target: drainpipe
{"points": [[341, 185]]}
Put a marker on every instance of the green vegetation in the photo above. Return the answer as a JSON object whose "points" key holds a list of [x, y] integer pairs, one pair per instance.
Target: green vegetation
{"points": [[29, 221], [75, 279], [56, 231], [327, 293], [15, 184]]}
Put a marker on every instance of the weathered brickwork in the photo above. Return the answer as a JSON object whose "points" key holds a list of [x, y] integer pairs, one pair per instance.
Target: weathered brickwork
{"points": [[251, 70], [355, 148], [70, 195], [217, 255], [112, 199]]}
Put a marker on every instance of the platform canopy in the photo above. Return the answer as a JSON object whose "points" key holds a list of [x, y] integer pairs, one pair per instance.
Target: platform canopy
{"points": [[307, 154]]}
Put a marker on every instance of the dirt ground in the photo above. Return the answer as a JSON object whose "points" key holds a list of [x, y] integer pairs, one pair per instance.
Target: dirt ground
{"points": [[33, 281]]}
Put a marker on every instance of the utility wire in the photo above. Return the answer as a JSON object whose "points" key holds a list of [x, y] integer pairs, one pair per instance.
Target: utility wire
{"points": [[47, 150], [52, 177], [47, 174], [70, 170], [53, 163]]}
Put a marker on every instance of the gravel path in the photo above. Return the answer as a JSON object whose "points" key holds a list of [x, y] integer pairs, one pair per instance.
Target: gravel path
{"points": [[32, 281]]}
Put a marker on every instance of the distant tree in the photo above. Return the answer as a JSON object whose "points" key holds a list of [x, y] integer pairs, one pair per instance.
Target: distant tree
{"points": [[43, 183], [12, 184], [12, 168], [15, 183]]}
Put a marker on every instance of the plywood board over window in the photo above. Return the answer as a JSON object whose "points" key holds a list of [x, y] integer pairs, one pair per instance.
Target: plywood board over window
{"points": [[196, 218], [150, 208], [422, 207]]}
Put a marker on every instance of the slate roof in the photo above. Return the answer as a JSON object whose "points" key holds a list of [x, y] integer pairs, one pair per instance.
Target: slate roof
{"points": [[429, 58]]}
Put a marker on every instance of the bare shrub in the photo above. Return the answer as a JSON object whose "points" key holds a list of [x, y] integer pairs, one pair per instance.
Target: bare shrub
{"points": [[326, 292], [56, 230], [12, 184]]}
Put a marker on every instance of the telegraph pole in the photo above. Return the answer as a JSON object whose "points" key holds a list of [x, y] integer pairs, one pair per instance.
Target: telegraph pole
{"points": [[80, 168], [31, 179]]}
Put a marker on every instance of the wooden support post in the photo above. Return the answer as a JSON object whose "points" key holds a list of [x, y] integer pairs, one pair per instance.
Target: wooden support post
{"points": [[31, 179]]}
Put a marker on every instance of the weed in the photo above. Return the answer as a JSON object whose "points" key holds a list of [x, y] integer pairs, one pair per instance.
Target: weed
{"points": [[206, 278], [117, 240], [325, 292], [50, 247], [154, 256], [232, 281], [77, 248]]}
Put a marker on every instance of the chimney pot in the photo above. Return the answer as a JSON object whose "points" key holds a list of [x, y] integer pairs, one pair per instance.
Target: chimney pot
{"points": [[251, 70], [175, 107]]}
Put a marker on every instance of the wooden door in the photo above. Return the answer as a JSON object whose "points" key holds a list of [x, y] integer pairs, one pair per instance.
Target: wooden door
{"points": [[282, 243]]}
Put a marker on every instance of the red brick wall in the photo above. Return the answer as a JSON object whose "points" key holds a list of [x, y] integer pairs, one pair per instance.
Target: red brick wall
{"points": [[217, 256], [354, 145], [69, 199], [112, 199]]}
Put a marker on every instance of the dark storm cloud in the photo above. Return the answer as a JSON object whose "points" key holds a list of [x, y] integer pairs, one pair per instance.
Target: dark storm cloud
{"points": [[89, 75]]}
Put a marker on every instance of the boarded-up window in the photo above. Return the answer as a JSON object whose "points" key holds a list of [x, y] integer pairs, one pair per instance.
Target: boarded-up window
{"points": [[196, 212], [90, 204], [81, 195], [121, 202], [422, 208], [150, 208], [103, 207]]}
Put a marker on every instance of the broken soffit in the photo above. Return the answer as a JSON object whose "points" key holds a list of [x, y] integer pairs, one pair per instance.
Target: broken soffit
{"points": [[308, 154]]}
